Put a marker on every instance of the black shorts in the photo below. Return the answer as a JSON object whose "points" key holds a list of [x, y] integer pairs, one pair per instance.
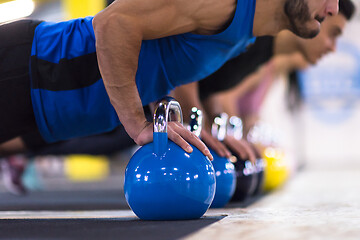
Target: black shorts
{"points": [[101, 144], [105, 143], [16, 113]]}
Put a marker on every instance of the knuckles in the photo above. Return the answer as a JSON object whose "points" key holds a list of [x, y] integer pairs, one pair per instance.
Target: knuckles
{"points": [[140, 141]]}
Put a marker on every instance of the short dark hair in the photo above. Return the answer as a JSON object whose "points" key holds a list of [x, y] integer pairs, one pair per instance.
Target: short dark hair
{"points": [[346, 8]]}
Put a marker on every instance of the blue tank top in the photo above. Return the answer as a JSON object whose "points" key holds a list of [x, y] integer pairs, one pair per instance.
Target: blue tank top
{"points": [[68, 94]]}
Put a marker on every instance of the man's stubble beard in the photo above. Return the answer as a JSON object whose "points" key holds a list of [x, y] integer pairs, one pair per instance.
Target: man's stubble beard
{"points": [[298, 15]]}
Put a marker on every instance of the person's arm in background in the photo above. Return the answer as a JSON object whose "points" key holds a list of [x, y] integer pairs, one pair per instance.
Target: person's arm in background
{"points": [[188, 97], [119, 32], [254, 88], [240, 147]]}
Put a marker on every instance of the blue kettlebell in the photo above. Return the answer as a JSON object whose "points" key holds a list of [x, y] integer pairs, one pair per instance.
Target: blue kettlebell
{"points": [[246, 175], [162, 181], [224, 169]]}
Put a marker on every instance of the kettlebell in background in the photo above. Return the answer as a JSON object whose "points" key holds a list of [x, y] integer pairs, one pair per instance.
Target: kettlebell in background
{"points": [[275, 168], [245, 171], [162, 181], [224, 169], [252, 138], [260, 174]]}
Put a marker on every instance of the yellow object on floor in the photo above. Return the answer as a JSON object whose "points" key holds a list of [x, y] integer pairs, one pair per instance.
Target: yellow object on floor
{"points": [[83, 168], [276, 169], [82, 8]]}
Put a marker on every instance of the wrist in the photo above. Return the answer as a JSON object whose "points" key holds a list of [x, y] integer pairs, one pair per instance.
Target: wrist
{"points": [[134, 128]]}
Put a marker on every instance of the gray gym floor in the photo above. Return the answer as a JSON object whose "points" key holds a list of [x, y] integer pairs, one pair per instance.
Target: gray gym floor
{"points": [[318, 203]]}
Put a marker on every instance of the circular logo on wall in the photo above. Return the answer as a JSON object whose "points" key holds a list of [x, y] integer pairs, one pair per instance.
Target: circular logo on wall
{"points": [[332, 88]]}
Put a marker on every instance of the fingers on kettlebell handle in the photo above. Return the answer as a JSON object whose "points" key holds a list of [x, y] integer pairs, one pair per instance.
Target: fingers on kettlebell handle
{"points": [[215, 144], [226, 152], [252, 157], [194, 140], [220, 148], [176, 138], [250, 152], [240, 151], [199, 145], [182, 137]]}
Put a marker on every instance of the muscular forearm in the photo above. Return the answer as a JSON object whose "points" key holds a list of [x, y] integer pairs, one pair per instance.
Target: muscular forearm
{"points": [[229, 99], [119, 32], [188, 97], [212, 107], [117, 52]]}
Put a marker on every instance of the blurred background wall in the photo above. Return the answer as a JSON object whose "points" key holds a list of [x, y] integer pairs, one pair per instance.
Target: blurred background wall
{"points": [[331, 116]]}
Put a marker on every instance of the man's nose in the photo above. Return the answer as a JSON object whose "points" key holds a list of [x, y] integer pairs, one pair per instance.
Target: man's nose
{"points": [[332, 7]]}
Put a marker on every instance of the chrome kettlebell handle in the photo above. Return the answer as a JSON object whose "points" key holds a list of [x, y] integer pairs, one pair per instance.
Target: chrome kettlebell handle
{"points": [[235, 127], [218, 128], [196, 119], [166, 109]]}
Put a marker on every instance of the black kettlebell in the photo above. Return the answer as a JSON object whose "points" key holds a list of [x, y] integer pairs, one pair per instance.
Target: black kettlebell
{"points": [[246, 175], [252, 137]]}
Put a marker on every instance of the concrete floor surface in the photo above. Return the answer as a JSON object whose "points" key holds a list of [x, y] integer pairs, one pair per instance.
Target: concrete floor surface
{"points": [[315, 204]]}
